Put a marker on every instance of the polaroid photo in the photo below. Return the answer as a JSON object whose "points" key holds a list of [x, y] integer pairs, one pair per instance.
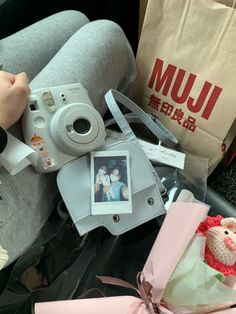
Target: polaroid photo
{"points": [[110, 183]]}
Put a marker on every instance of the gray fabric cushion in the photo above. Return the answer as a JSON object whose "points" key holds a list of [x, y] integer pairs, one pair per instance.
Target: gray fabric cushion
{"points": [[2, 1]]}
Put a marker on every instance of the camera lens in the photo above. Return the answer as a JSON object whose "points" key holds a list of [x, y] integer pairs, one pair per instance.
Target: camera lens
{"points": [[81, 126]]}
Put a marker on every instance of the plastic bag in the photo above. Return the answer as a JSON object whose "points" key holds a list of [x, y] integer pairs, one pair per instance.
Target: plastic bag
{"points": [[193, 178]]}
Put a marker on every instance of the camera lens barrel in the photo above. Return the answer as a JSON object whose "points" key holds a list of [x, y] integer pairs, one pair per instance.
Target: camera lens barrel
{"points": [[77, 128]]}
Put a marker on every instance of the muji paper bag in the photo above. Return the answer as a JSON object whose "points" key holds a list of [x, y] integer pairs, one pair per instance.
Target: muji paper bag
{"points": [[187, 72]]}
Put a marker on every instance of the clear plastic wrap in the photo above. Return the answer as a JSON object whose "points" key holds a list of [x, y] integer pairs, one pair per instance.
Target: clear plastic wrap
{"points": [[193, 178]]}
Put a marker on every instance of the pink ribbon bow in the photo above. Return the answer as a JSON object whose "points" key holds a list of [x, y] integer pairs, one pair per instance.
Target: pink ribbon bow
{"points": [[145, 298]]}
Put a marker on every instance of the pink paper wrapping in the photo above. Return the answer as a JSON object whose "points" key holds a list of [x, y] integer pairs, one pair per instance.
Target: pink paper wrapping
{"points": [[176, 232], [114, 305]]}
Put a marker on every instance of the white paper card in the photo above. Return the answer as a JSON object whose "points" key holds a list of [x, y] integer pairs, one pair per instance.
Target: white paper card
{"points": [[17, 155], [3, 257], [154, 152], [110, 183], [161, 154]]}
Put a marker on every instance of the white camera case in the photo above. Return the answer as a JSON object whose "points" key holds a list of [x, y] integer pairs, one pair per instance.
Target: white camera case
{"points": [[60, 124]]}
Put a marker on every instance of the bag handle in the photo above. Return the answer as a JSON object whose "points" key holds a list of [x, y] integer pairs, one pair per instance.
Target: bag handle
{"points": [[234, 3], [136, 115]]}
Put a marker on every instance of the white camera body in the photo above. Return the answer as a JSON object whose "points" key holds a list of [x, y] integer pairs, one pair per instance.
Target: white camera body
{"points": [[60, 124]]}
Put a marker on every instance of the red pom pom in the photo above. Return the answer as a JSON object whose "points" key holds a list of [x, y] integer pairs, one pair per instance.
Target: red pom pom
{"points": [[214, 263], [208, 223]]}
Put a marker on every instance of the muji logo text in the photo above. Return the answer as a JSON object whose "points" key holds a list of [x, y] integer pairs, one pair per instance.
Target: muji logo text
{"points": [[162, 80]]}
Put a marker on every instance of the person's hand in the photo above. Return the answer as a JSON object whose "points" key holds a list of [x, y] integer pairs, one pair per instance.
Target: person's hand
{"points": [[14, 91], [106, 189], [125, 192]]}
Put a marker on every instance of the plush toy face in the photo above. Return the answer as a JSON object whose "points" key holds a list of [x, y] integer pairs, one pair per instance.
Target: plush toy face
{"points": [[222, 243]]}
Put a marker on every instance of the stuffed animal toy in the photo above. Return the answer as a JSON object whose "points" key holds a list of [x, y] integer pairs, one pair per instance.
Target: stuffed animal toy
{"points": [[220, 249], [205, 277]]}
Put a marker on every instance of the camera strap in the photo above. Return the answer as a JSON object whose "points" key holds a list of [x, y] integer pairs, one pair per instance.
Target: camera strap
{"points": [[137, 115], [114, 97]]}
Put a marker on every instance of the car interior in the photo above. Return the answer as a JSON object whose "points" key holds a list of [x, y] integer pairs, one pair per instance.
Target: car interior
{"points": [[18, 14]]}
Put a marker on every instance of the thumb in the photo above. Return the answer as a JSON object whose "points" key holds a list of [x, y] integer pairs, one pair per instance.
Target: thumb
{"points": [[21, 81]]}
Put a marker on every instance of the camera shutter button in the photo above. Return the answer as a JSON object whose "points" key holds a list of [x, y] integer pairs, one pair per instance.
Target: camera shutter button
{"points": [[39, 122]]}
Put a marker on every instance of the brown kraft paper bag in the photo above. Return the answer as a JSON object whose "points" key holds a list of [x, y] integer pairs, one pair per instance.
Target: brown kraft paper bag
{"points": [[186, 63]]}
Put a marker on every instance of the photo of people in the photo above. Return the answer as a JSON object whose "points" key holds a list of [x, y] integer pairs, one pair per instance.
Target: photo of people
{"points": [[110, 179], [110, 183]]}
